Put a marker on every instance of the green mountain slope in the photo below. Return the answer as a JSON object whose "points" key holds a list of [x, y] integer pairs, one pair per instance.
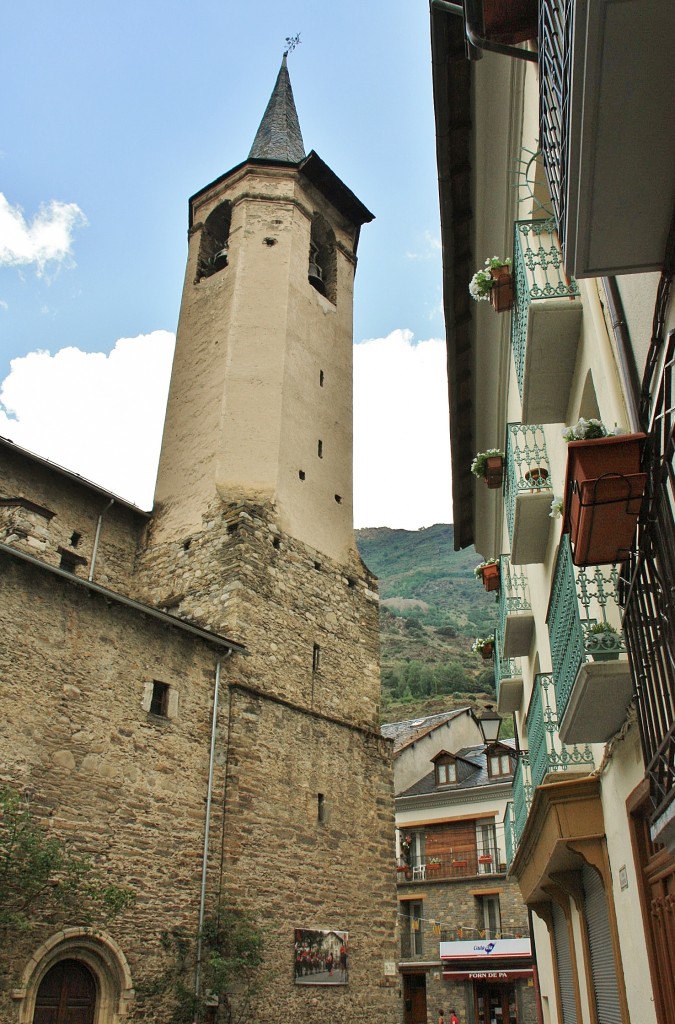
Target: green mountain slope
{"points": [[432, 608]]}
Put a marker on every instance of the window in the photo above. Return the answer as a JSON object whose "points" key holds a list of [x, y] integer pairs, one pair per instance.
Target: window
{"points": [[316, 658], [322, 265], [319, 449], [446, 770], [159, 702], [499, 763], [414, 908], [320, 808], [213, 244], [69, 560], [489, 916]]}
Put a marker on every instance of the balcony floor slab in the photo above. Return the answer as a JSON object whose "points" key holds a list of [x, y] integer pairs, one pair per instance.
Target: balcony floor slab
{"points": [[553, 329], [509, 695], [518, 631], [530, 527], [597, 706]]}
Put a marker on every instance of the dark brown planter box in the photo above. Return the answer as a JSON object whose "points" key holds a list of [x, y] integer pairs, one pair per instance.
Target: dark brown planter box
{"points": [[487, 651], [510, 21], [603, 496], [494, 472], [501, 293]]}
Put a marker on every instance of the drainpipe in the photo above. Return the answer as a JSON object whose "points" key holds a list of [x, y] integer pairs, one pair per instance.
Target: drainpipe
{"points": [[471, 28], [207, 826], [624, 348], [96, 538]]}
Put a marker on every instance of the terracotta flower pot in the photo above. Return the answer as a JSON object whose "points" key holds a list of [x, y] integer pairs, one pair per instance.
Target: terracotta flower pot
{"points": [[603, 496], [490, 576], [537, 476], [501, 293], [494, 471], [485, 859]]}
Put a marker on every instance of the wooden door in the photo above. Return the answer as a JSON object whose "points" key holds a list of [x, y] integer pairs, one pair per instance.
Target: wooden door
{"points": [[67, 995], [415, 998]]}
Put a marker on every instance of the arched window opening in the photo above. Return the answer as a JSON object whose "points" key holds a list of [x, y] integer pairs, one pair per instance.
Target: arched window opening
{"points": [[322, 271], [213, 245]]}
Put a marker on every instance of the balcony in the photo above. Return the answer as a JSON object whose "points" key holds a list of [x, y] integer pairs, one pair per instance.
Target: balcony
{"points": [[518, 810], [605, 73], [592, 677], [528, 492], [545, 323], [549, 755], [450, 854], [508, 679], [516, 621]]}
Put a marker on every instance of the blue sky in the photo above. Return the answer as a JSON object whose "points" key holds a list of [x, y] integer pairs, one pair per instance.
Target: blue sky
{"points": [[121, 111]]}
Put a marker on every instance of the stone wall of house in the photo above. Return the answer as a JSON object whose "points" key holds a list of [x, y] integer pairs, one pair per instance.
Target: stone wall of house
{"points": [[244, 578], [451, 910], [46, 514]]}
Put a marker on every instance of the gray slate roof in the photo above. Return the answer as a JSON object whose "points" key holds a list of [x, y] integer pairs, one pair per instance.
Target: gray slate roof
{"points": [[471, 774], [405, 732], [279, 136]]}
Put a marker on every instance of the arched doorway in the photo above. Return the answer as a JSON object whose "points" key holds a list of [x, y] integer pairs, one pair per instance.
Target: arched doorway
{"points": [[67, 995]]}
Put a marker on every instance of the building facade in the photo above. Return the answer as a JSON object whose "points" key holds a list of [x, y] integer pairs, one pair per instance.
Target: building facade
{"points": [[548, 152], [191, 696], [464, 930]]}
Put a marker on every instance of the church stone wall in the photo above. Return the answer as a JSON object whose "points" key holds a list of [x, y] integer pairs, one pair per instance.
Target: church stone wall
{"points": [[121, 785], [44, 514], [244, 578]]}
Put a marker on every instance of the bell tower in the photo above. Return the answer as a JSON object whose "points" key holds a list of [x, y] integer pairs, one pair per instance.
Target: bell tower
{"points": [[260, 404]]}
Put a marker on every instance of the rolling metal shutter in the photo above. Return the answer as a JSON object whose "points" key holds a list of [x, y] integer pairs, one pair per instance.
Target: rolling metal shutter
{"points": [[564, 964], [602, 950]]}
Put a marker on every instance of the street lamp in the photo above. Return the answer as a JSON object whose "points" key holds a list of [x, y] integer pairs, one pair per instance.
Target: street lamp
{"points": [[490, 724]]}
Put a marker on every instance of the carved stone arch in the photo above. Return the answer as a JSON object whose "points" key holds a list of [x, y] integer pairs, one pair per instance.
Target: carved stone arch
{"points": [[97, 951], [322, 272], [213, 242]]}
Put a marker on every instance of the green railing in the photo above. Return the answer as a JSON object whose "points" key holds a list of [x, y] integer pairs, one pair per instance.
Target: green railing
{"points": [[514, 592], [505, 668], [522, 794], [510, 833], [583, 603], [538, 273], [527, 466], [547, 752]]}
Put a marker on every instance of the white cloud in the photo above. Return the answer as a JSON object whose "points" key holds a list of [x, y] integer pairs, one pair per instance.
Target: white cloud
{"points": [[4, 305], [401, 433], [102, 416], [431, 250], [49, 237], [96, 414]]}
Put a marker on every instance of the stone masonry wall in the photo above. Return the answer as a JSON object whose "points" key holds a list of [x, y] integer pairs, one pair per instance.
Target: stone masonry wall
{"points": [[126, 787], [454, 906], [245, 579]]}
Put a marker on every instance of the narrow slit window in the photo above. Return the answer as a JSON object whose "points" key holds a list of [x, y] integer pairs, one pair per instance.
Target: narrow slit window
{"points": [[301, 474], [320, 378], [320, 808], [338, 499], [319, 449], [159, 702], [316, 658]]}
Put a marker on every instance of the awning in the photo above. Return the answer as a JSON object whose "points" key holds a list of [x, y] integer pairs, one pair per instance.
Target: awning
{"points": [[486, 960]]}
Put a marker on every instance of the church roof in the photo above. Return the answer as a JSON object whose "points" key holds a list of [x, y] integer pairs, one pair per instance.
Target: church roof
{"points": [[279, 136]]}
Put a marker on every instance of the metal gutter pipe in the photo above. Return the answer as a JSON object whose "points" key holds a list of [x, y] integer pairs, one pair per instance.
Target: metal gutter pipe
{"points": [[207, 826], [624, 348], [96, 538]]}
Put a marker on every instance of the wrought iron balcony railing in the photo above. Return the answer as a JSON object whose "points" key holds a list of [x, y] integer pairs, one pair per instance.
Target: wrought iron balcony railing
{"points": [[548, 754], [556, 23], [518, 809], [649, 620], [592, 686], [516, 622], [528, 492], [545, 322], [508, 678]]}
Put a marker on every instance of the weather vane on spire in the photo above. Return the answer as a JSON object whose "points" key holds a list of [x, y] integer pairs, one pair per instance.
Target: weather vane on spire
{"points": [[291, 43]]}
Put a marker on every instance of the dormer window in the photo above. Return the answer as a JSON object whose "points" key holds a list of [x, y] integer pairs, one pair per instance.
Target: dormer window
{"points": [[445, 766], [499, 763]]}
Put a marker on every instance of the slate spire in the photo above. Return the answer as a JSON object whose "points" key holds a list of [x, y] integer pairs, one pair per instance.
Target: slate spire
{"points": [[279, 136]]}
